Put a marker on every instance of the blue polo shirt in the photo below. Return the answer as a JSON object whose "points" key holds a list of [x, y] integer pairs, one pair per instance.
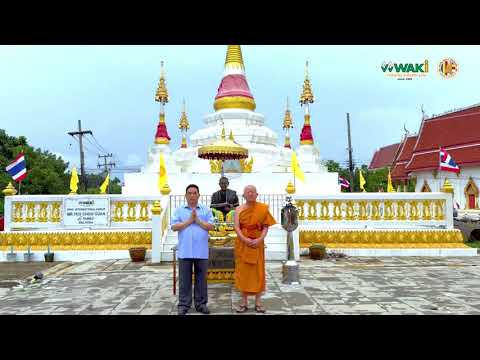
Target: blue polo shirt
{"points": [[193, 240]]}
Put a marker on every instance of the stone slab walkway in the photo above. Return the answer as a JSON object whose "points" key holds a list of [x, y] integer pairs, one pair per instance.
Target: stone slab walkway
{"points": [[387, 286]]}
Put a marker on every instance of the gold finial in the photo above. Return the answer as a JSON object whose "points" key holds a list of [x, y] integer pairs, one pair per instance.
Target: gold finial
{"points": [[290, 188], [307, 94], [162, 93], [223, 134], [287, 120], [156, 208], [230, 137], [9, 190], [165, 190], [184, 124], [447, 187], [234, 56]]}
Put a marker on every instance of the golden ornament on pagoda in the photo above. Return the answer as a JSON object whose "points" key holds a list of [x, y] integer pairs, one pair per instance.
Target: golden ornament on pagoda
{"points": [[162, 94], [223, 149], [307, 94], [287, 120]]}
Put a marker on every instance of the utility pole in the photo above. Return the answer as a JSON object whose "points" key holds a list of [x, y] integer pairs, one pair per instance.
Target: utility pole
{"points": [[80, 134], [106, 166], [350, 161]]}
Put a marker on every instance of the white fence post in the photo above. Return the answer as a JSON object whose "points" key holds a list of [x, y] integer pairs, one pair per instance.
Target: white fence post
{"points": [[7, 213], [157, 232], [449, 210]]}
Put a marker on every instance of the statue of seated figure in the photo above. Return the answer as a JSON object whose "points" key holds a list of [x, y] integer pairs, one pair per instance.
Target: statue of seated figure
{"points": [[224, 200]]}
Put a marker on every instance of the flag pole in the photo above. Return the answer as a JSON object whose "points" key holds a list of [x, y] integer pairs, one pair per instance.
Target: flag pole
{"points": [[20, 187]]}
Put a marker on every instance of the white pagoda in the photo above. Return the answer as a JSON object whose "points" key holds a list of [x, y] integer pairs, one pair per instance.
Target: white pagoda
{"points": [[268, 166]]}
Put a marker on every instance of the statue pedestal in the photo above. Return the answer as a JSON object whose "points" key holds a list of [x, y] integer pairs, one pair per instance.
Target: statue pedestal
{"points": [[290, 273], [221, 265]]}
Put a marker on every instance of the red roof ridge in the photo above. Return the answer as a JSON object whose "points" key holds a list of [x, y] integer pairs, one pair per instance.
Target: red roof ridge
{"points": [[434, 116], [442, 117]]}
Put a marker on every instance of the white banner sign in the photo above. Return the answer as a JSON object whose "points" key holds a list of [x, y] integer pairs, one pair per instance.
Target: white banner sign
{"points": [[86, 211]]}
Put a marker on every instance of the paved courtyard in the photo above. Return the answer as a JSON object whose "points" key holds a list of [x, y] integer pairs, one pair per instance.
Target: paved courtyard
{"points": [[414, 285]]}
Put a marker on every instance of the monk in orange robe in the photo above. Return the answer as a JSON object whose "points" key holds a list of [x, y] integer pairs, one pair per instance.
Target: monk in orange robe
{"points": [[251, 225]]}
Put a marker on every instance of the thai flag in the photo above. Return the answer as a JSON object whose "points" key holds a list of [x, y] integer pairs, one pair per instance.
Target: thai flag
{"points": [[447, 163], [18, 168], [343, 182]]}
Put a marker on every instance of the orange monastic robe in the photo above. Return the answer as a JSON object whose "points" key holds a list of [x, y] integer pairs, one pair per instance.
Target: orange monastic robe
{"points": [[250, 262]]}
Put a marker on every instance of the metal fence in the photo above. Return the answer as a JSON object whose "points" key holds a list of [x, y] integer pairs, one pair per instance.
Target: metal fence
{"points": [[274, 201]]}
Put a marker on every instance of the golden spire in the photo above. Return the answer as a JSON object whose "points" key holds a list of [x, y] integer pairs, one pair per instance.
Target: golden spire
{"points": [[231, 136], [184, 125], [162, 94], [234, 56], [307, 94], [287, 120]]}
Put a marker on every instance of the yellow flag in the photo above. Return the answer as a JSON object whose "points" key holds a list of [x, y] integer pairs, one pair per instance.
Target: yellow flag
{"points": [[103, 187], [389, 185], [362, 181], [74, 181], [298, 173], [162, 178]]}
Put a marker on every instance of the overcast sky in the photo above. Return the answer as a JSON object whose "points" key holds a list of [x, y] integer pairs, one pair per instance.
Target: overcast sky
{"points": [[44, 90]]}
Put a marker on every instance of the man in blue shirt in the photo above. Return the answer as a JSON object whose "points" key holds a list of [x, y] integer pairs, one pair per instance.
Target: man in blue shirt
{"points": [[193, 221]]}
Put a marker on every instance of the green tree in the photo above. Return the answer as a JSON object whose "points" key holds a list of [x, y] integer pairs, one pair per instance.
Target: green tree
{"points": [[46, 171], [333, 166]]}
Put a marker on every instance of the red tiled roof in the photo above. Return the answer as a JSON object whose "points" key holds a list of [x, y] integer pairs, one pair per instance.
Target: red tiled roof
{"points": [[458, 132], [403, 157], [464, 157], [449, 131], [384, 156]]}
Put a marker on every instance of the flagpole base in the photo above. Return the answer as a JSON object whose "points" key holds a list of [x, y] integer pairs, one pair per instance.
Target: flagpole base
{"points": [[290, 273]]}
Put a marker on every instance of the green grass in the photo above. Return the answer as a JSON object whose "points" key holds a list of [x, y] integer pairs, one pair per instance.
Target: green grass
{"points": [[473, 244]]}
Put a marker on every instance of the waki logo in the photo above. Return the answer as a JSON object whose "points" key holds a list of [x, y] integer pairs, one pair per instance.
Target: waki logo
{"points": [[405, 71]]}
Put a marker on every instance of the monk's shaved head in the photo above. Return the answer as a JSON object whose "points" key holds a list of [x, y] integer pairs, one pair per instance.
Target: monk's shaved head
{"points": [[250, 194], [249, 187]]}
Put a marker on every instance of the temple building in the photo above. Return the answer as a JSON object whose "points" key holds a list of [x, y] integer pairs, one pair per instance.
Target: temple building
{"points": [[417, 156], [234, 115]]}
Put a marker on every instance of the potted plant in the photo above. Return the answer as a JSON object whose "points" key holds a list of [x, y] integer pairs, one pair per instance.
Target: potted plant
{"points": [[137, 254], [49, 255], [11, 256], [318, 252]]}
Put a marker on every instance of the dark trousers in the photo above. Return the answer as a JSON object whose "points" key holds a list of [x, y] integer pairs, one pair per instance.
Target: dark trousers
{"points": [[185, 282]]}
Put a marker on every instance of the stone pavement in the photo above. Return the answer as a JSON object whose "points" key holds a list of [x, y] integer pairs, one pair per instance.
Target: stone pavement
{"points": [[413, 285]]}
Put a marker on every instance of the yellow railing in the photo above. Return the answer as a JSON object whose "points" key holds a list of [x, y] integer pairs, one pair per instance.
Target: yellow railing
{"points": [[381, 208]]}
